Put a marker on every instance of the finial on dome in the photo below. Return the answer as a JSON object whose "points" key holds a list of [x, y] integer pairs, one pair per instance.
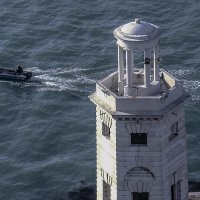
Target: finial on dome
{"points": [[137, 21]]}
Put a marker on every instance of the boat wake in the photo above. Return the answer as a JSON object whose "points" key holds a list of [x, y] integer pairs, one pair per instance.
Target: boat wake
{"points": [[83, 80], [189, 80], [59, 79]]}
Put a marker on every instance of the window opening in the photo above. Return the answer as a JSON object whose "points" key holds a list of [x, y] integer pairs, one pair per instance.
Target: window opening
{"points": [[175, 128], [174, 131], [140, 196], [139, 138], [106, 191], [179, 190], [105, 130], [176, 191], [173, 192]]}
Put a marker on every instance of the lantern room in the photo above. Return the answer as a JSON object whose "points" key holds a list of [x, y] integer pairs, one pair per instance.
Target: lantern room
{"points": [[132, 37]]}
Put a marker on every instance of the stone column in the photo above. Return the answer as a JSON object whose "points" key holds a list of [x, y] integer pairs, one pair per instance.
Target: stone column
{"points": [[156, 63], [147, 68], [120, 71], [129, 68], [129, 73]]}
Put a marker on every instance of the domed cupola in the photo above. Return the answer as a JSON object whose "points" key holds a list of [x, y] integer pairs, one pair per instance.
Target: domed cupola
{"points": [[136, 36], [137, 31]]}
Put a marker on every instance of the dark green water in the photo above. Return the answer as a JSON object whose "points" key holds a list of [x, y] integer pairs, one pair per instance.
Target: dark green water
{"points": [[47, 129]]}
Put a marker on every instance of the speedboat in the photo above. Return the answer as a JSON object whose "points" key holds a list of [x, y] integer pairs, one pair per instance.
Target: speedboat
{"points": [[14, 75]]}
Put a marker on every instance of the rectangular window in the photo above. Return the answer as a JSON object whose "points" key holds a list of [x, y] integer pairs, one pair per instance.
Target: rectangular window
{"points": [[139, 138], [175, 128], [174, 131], [106, 191], [105, 130], [176, 191], [140, 196]]}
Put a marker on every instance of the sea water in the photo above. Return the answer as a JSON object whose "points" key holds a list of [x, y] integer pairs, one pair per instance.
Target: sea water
{"points": [[47, 128]]}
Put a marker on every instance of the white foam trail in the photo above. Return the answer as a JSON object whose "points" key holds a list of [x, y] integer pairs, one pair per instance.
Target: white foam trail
{"points": [[192, 85], [53, 86], [54, 83], [59, 70], [181, 72], [58, 79]]}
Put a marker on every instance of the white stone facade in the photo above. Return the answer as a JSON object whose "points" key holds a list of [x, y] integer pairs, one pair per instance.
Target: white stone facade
{"points": [[163, 158], [140, 132]]}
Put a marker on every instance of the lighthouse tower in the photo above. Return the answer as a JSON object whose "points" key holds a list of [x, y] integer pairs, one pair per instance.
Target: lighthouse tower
{"points": [[140, 123]]}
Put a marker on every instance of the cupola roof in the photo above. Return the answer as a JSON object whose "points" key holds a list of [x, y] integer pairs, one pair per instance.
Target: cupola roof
{"points": [[137, 31]]}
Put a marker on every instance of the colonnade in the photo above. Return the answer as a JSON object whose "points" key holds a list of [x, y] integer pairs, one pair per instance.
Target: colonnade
{"points": [[129, 64]]}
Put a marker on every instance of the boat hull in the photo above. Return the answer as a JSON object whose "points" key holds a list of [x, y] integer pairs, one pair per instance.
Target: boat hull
{"points": [[12, 75]]}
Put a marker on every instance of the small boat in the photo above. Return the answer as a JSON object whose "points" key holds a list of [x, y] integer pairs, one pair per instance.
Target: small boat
{"points": [[14, 75]]}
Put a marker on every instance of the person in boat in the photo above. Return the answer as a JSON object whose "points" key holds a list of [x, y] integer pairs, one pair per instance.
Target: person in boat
{"points": [[19, 69]]}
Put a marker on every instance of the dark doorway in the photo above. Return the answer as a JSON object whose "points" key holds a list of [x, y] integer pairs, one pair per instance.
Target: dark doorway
{"points": [[176, 191]]}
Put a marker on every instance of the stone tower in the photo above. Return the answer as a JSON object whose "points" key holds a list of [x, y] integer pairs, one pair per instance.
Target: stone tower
{"points": [[140, 123]]}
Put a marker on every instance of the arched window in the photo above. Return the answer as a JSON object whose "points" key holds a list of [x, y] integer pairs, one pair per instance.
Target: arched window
{"points": [[139, 181]]}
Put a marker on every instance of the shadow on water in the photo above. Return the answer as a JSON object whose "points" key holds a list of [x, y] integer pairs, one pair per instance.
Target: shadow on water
{"points": [[83, 191]]}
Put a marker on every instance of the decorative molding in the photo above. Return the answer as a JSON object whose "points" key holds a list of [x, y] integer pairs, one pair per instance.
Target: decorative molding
{"points": [[139, 179], [175, 176], [138, 127], [106, 177], [105, 118]]}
